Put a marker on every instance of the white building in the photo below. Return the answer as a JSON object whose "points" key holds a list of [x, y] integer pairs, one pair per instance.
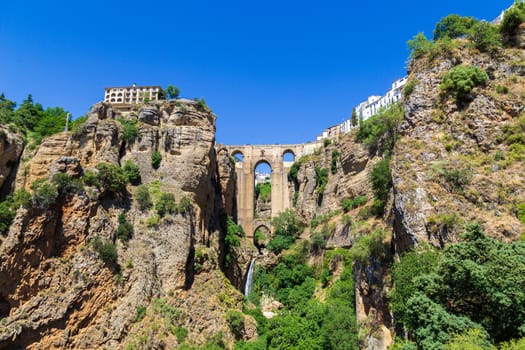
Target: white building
{"points": [[374, 104], [131, 94]]}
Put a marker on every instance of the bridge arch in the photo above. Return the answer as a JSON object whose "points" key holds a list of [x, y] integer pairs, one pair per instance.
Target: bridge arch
{"points": [[253, 155]]}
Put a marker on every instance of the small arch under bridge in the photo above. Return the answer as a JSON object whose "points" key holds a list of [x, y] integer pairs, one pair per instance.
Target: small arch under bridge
{"points": [[252, 156]]}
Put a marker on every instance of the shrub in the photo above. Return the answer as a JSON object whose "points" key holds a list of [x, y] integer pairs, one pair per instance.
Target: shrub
{"points": [[184, 204], [153, 221], [460, 80], [132, 172], [287, 228], [335, 154], [44, 193], [180, 333], [321, 179], [201, 104], [111, 178], [485, 37], [9, 206], [143, 197], [381, 179], [353, 203], [166, 204], [125, 229], [294, 170], [263, 191], [419, 46], [130, 129], [521, 212], [156, 158], [502, 89], [236, 323], [105, 250], [457, 178], [409, 88], [231, 239], [317, 242], [512, 19], [327, 142], [371, 245], [140, 313], [380, 130], [65, 184], [90, 179]]}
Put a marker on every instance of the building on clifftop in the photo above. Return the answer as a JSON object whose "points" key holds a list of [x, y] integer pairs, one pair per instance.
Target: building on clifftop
{"points": [[132, 94]]}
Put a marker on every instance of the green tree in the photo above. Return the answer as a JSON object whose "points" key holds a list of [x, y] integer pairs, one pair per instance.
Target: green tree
{"points": [[419, 46], [44, 193], [287, 229], [106, 250], [111, 178], [512, 19], [381, 179], [130, 130], [172, 92], [125, 229], [460, 80], [28, 114], [355, 118], [132, 172], [166, 204], [485, 36], [143, 198], [453, 26], [156, 158]]}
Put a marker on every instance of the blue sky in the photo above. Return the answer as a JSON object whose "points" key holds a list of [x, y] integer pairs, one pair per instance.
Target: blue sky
{"points": [[272, 71]]}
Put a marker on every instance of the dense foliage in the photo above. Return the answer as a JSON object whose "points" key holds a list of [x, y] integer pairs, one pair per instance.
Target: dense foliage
{"points": [[232, 238], [478, 283], [263, 191], [305, 322], [286, 229], [379, 132], [9, 206], [453, 26], [460, 80]]}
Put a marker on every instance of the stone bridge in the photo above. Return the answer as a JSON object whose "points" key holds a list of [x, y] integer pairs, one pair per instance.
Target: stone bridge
{"points": [[273, 155]]}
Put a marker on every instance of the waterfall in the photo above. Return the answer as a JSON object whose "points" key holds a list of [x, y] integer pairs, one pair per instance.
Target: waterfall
{"points": [[249, 278]]}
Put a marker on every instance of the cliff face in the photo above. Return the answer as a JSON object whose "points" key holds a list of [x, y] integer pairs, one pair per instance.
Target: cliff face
{"points": [[56, 292], [11, 147], [461, 162]]}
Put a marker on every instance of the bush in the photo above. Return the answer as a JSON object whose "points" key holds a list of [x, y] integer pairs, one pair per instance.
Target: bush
{"points": [[180, 333], [90, 179], [379, 132], [460, 80], [140, 313], [9, 207], [111, 178], [512, 19], [105, 250], [143, 198], [327, 142], [335, 154], [485, 37], [263, 191], [44, 193], [66, 184], [130, 129], [321, 179], [125, 229], [502, 89], [419, 46], [287, 229], [409, 88], [132, 172], [353, 203], [381, 179], [156, 158], [232, 239], [236, 323], [184, 204], [294, 170], [166, 204]]}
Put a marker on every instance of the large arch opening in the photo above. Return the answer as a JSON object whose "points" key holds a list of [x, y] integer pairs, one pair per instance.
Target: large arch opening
{"points": [[261, 236], [238, 156], [288, 156], [263, 190]]}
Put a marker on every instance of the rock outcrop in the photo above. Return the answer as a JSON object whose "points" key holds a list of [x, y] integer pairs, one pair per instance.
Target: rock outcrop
{"points": [[56, 292], [11, 147]]}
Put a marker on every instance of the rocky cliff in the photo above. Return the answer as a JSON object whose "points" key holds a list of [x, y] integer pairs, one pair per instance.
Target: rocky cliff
{"points": [[58, 290]]}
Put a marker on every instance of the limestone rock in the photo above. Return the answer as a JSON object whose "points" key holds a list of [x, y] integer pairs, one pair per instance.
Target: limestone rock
{"points": [[11, 147]]}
